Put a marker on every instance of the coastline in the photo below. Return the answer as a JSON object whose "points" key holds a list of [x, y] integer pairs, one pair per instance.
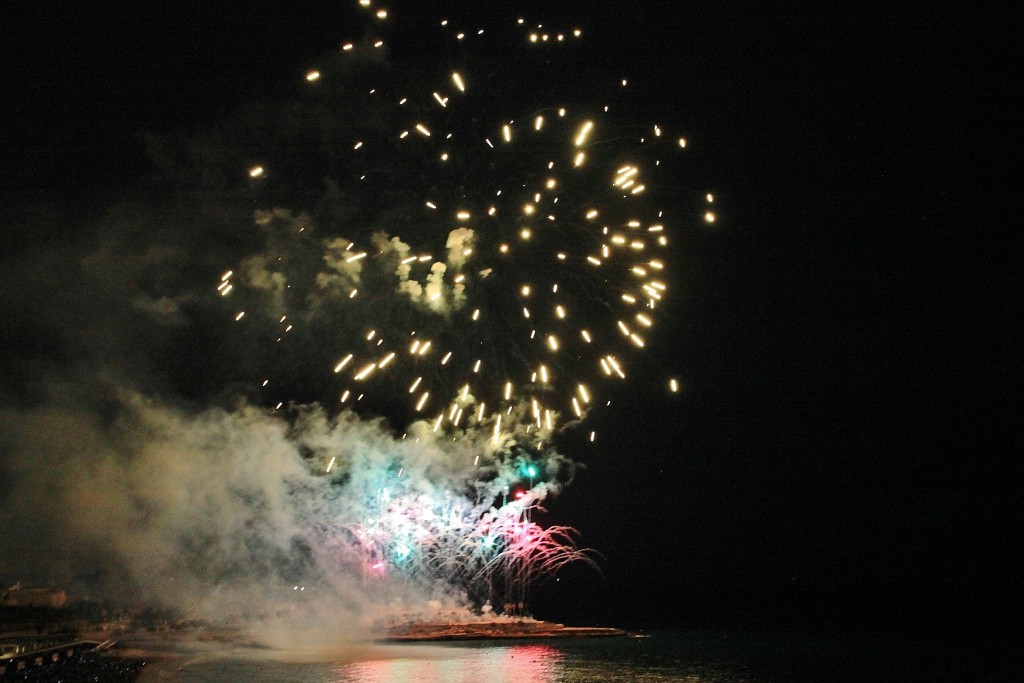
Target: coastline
{"points": [[148, 648], [494, 630]]}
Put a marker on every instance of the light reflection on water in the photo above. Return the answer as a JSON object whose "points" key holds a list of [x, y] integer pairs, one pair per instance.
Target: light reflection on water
{"points": [[601, 660], [521, 663], [688, 656]]}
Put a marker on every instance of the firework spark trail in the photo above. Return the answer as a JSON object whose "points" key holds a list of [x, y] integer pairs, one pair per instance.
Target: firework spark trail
{"points": [[498, 265], [315, 366], [533, 271], [416, 274]]}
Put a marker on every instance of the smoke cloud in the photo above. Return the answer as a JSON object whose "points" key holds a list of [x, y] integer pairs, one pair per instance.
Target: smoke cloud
{"points": [[235, 516]]}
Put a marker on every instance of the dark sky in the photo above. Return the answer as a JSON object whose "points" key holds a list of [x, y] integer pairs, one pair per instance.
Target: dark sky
{"points": [[838, 448]]}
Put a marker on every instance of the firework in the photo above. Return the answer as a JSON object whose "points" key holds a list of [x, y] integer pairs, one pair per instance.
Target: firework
{"points": [[499, 262], [487, 260]]}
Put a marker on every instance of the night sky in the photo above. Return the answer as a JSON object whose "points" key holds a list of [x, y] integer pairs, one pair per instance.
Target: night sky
{"points": [[838, 454]]}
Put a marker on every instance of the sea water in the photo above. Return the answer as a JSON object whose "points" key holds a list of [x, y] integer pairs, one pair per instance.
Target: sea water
{"points": [[653, 658]]}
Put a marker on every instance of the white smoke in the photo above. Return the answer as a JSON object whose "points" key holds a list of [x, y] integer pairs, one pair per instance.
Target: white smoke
{"points": [[460, 246], [443, 289], [258, 274], [344, 267], [241, 516]]}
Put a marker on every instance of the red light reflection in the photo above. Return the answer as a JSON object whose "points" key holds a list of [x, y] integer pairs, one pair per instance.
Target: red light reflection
{"points": [[533, 663]]}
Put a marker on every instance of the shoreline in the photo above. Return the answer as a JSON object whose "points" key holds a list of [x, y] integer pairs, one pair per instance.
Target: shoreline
{"points": [[494, 630], [156, 646]]}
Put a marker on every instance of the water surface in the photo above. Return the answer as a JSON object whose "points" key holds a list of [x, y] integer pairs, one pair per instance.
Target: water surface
{"points": [[662, 656]]}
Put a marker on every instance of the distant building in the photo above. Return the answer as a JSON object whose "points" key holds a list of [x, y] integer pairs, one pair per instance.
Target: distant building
{"points": [[17, 596]]}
